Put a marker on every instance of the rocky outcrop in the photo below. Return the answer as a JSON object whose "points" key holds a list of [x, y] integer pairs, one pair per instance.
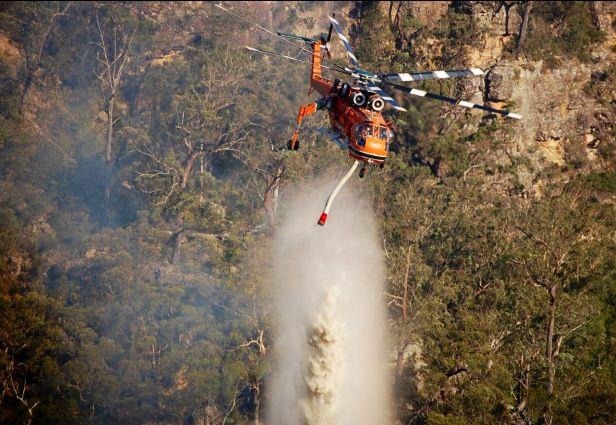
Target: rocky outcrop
{"points": [[10, 54], [604, 13], [428, 13], [500, 81]]}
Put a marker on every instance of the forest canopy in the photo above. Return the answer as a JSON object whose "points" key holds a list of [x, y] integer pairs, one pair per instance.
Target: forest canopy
{"points": [[143, 174]]}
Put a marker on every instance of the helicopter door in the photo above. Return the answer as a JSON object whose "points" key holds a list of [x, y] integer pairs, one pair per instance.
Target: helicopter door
{"points": [[385, 134]]}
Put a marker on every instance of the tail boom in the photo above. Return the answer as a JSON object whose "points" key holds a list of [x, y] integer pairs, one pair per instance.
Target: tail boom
{"points": [[322, 85]]}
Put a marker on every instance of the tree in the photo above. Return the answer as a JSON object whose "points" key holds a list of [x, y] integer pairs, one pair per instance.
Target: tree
{"points": [[557, 254], [528, 5], [209, 112], [112, 56], [205, 120], [506, 6], [33, 26]]}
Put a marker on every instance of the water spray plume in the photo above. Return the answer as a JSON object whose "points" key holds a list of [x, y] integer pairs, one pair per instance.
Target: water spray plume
{"points": [[330, 363]]}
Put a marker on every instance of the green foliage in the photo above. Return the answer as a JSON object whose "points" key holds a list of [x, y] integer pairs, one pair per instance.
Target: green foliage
{"points": [[153, 306], [561, 28], [458, 26], [460, 30], [604, 182], [438, 419], [376, 44]]}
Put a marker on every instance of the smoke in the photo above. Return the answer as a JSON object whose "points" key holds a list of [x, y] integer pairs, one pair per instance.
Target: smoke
{"points": [[330, 365]]}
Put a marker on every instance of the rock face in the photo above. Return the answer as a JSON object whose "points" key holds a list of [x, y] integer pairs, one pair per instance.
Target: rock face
{"points": [[605, 15], [562, 124], [553, 104], [428, 13], [10, 54], [500, 81]]}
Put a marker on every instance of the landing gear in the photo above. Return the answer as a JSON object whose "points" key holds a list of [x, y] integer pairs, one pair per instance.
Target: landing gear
{"points": [[362, 172], [382, 165], [304, 111]]}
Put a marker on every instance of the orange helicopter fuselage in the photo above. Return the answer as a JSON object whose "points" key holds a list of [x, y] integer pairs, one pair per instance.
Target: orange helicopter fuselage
{"points": [[368, 134]]}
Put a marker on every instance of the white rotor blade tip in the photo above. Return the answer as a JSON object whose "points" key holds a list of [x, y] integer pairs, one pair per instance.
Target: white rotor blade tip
{"points": [[476, 71], [251, 48], [514, 116], [333, 20]]}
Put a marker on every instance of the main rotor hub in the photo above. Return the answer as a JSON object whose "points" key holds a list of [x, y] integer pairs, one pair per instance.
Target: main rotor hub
{"points": [[362, 77]]}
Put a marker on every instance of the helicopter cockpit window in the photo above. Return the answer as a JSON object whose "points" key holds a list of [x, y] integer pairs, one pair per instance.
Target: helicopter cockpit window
{"points": [[362, 131], [383, 133], [358, 133]]}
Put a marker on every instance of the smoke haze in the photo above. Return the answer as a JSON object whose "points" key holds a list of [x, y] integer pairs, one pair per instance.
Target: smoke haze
{"points": [[330, 339]]}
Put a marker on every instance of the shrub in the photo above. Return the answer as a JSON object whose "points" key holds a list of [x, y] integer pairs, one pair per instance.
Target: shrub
{"points": [[561, 28]]}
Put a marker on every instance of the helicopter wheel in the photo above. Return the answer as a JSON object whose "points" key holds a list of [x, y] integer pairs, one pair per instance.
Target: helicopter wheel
{"points": [[289, 144], [382, 165], [362, 172], [296, 147]]}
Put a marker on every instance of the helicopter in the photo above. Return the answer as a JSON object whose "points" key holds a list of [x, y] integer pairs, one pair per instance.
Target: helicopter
{"points": [[355, 109]]}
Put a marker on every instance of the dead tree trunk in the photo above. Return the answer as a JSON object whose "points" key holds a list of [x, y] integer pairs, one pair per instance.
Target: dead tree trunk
{"points": [[270, 197], [551, 354], [188, 166], [108, 144], [179, 235], [257, 403], [112, 58], [177, 243], [506, 5], [524, 388], [523, 27], [400, 363]]}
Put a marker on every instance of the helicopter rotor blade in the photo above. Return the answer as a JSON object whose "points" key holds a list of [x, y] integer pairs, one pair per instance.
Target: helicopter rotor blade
{"points": [[329, 37], [428, 75], [344, 41], [450, 100], [270, 53], [276, 36], [329, 33], [387, 98]]}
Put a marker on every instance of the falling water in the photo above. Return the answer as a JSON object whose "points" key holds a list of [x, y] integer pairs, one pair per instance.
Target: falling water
{"points": [[330, 365]]}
